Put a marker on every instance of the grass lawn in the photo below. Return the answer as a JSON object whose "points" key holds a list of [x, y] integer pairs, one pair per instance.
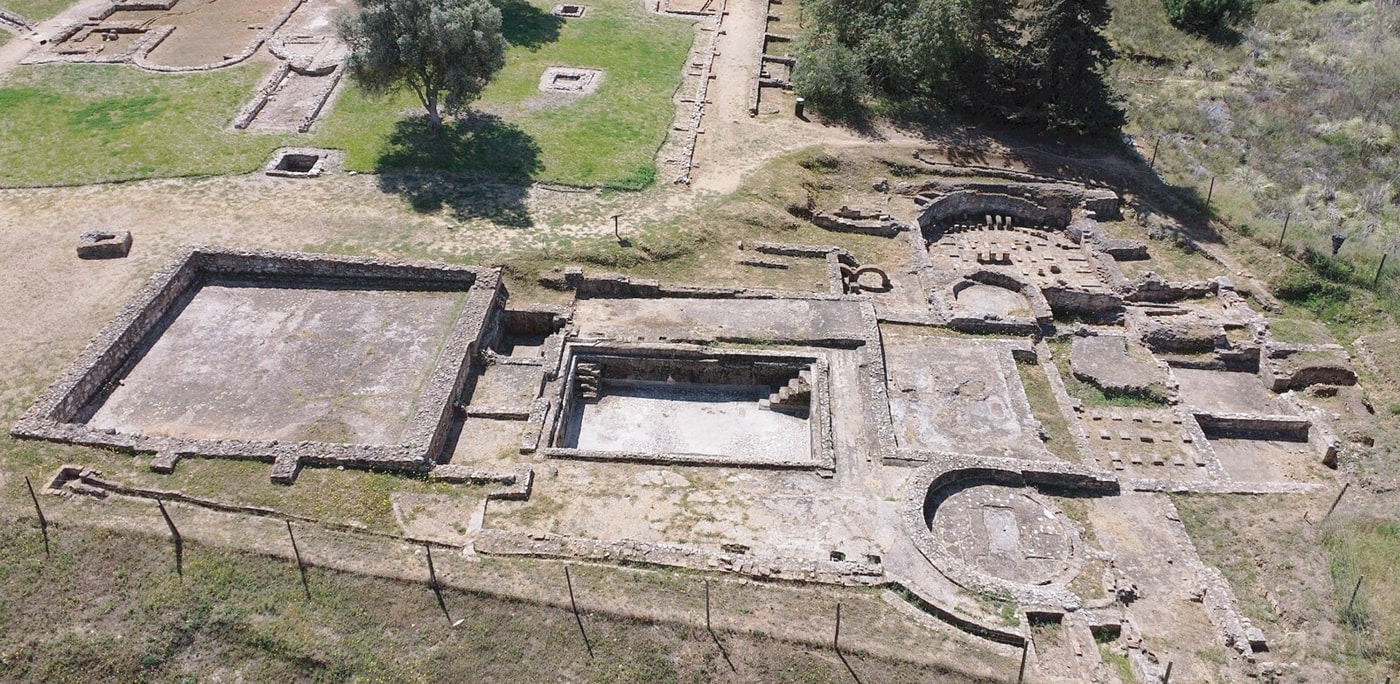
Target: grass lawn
{"points": [[607, 138], [1047, 410], [111, 123], [36, 10], [90, 123]]}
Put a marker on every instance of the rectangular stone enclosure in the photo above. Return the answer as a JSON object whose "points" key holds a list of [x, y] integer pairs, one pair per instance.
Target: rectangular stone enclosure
{"points": [[299, 359], [672, 404]]}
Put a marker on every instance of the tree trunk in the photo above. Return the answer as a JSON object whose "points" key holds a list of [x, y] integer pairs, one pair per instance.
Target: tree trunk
{"points": [[430, 103]]}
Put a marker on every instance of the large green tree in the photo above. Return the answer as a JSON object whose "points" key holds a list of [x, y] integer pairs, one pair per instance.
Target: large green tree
{"points": [[1063, 86], [1039, 62], [953, 52], [446, 51]]}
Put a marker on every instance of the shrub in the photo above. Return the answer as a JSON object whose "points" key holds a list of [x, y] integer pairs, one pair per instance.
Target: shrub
{"points": [[830, 76], [1299, 286], [1204, 16], [1328, 267]]}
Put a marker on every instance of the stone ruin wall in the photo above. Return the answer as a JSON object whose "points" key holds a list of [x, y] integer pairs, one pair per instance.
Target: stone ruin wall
{"points": [[58, 415], [975, 203]]}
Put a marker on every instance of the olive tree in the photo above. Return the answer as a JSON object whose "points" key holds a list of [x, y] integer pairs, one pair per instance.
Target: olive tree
{"points": [[446, 51]]}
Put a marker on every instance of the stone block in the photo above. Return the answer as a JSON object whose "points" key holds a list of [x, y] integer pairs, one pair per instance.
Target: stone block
{"points": [[97, 244]]}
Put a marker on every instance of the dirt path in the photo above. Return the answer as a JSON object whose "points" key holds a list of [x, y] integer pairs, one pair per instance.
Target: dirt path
{"points": [[734, 144], [56, 302], [13, 52]]}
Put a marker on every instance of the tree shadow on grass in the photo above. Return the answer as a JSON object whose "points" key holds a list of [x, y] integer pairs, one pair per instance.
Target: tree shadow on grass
{"points": [[437, 170], [528, 26]]}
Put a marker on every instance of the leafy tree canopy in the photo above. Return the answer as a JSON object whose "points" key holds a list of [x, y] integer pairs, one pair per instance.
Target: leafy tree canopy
{"points": [[1038, 62], [446, 51], [1204, 16]]}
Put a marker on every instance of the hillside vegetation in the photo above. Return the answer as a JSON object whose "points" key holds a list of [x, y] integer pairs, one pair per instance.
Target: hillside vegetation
{"points": [[1294, 115]]}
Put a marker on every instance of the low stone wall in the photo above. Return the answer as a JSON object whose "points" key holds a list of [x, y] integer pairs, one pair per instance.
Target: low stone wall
{"points": [[617, 286], [690, 127], [1150, 287], [270, 27], [795, 250], [1245, 426], [71, 479], [1183, 332], [518, 483], [1099, 306], [540, 412], [1321, 437], [627, 551], [974, 325], [683, 459], [1297, 366], [943, 298], [977, 203], [322, 96], [56, 52], [59, 414], [264, 92], [1053, 194], [681, 365], [943, 469], [15, 20], [1124, 250], [1174, 486], [883, 226]]}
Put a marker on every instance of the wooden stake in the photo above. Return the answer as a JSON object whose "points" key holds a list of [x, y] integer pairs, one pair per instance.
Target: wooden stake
{"points": [[1167, 677], [43, 522], [174, 536], [432, 572], [1336, 501], [1153, 164], [1025, 650], [587, 644], [1377, 279], [1352, 603], [711, 630], [1284, 232], [433, 583], [836, 638], [301, 568], [1211, 192], [707, 608]]}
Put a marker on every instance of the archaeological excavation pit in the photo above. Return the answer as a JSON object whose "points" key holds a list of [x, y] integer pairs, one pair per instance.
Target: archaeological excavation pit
{"points": [[569, 11], [300, 162], [284, 357], [676, 405]]}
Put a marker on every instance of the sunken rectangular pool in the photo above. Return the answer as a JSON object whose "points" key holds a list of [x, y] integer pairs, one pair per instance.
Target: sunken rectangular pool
{"points": [[690, 405]]}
